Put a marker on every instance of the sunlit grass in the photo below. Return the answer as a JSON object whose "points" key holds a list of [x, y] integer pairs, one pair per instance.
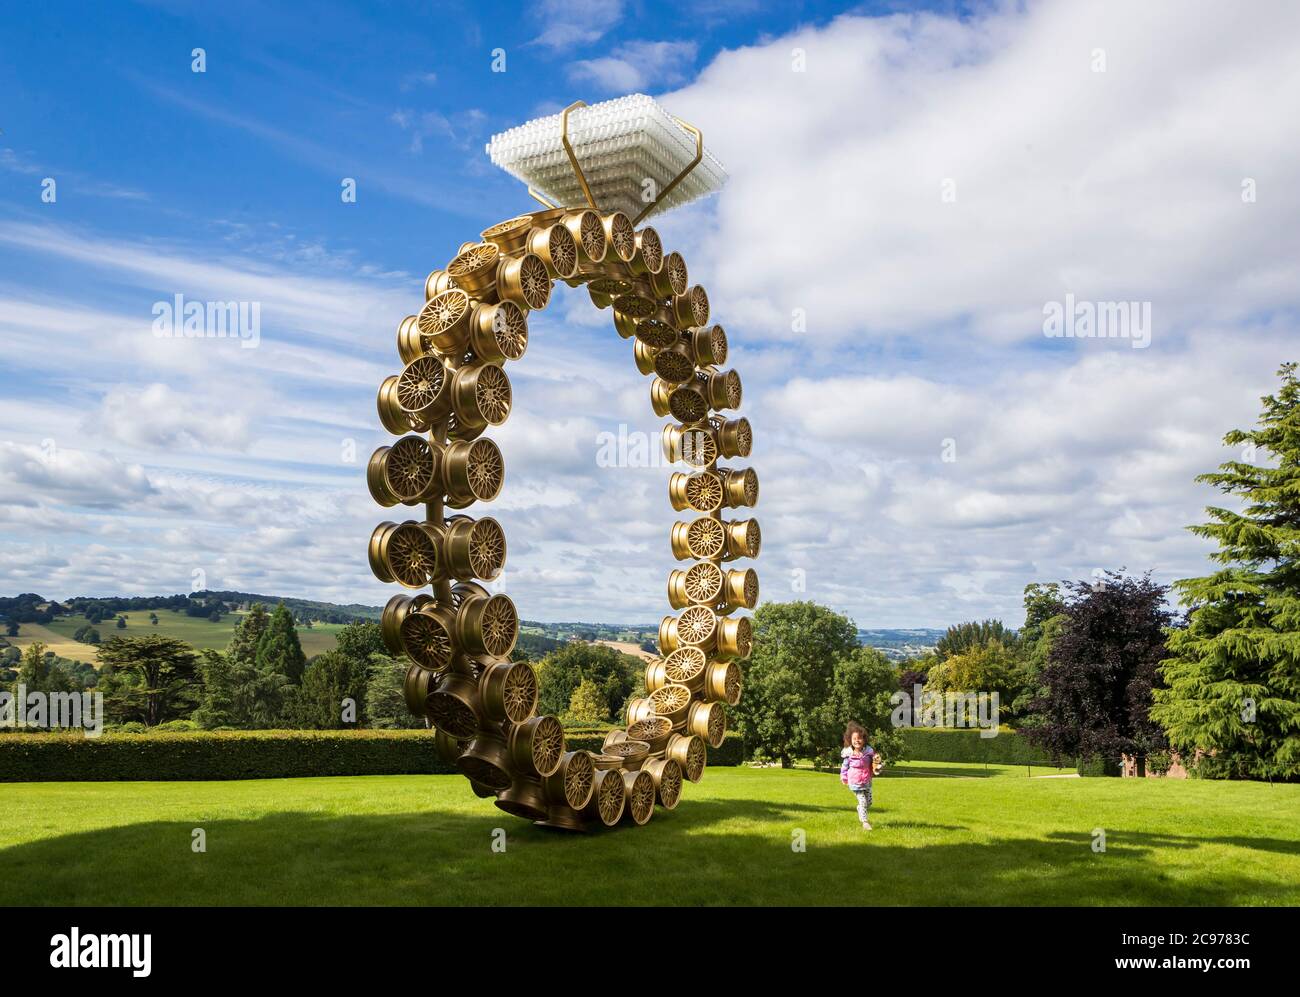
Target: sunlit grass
{"points": [[944, 834]]}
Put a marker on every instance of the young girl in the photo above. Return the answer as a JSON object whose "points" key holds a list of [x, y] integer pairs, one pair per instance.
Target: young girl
{"points": [[860, 765]]}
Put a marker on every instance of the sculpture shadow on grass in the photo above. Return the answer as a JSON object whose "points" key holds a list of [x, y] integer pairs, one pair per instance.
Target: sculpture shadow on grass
{"points": [[710, 852]]}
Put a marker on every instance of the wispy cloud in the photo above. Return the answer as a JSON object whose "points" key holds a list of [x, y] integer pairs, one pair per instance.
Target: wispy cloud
{"points": [[419, 79], [324, 159], [69, 179], [462, 129], [570, 23]]}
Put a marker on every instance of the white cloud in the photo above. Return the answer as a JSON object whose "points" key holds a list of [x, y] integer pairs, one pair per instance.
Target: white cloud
{"points": [[77, 478], [1116, 185], [636, 66], [158, 417]]}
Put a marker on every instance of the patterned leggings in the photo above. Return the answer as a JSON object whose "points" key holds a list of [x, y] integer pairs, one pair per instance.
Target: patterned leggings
{"points": [[864, 801]]}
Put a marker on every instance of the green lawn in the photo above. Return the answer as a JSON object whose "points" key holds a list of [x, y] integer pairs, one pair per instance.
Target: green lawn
{"points": [[945, 834], [197, 631]]}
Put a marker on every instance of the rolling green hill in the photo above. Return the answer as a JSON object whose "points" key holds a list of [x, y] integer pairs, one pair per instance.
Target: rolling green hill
{"points": [[199, 632]]}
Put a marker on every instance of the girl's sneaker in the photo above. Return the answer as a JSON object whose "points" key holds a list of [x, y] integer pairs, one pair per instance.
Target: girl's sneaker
{"points": [[866, 825]]}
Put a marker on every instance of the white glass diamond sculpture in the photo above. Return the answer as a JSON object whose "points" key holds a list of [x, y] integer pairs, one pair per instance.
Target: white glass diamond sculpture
{"points": [[620, 144]]}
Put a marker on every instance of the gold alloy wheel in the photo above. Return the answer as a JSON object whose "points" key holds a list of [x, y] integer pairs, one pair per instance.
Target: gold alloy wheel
{"points": [[451, 389]]}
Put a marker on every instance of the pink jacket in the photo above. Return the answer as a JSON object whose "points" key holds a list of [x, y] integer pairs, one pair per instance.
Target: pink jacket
{"points": [[855, 770]]}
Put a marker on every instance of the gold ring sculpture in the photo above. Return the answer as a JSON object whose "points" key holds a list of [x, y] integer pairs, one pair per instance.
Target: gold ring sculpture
{"points": [[452, 388]]}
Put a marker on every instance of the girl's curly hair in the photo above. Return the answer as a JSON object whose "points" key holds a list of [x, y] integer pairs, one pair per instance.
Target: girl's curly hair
{"points": [[854, 728]]}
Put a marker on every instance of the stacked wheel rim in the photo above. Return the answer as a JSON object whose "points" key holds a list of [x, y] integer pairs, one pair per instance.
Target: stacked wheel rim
{"points": [[442, 404]]}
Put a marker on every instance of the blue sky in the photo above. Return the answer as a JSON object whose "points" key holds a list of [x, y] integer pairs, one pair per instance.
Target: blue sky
{"points": [[918, 192], [400, 96]]}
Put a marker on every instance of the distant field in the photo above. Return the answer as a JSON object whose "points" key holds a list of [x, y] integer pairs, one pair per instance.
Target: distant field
{"points": [[199, 632], [629, 648], [60, 643]]}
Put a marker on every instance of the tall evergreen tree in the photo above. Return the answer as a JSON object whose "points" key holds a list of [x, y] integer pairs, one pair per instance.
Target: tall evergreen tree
{"points": [[1232, 706], [385, 695], [248, 633], [329, 680], [279, 649], [236, 693], [166, 670]]}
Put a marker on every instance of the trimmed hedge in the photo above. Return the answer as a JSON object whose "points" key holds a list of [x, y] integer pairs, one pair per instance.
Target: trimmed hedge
{"points": [[259, 754], [932, 744]]}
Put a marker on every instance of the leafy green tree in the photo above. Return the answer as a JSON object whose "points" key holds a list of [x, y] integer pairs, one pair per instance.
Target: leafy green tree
{"points": [[806, 679], [986, 668], [330, 679], [1042, 603], [248, 633], [83, 676], [966, 636], [1033, 657], [561, 672], [279, 649], [861, 686], [912, 673], [1231, 705], [1044, 617], [166, 669], [236, 693], [11, 629], [386, 696], [361, 640], [121, 623], [38, 672], [153, 619], [587, 705]]}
